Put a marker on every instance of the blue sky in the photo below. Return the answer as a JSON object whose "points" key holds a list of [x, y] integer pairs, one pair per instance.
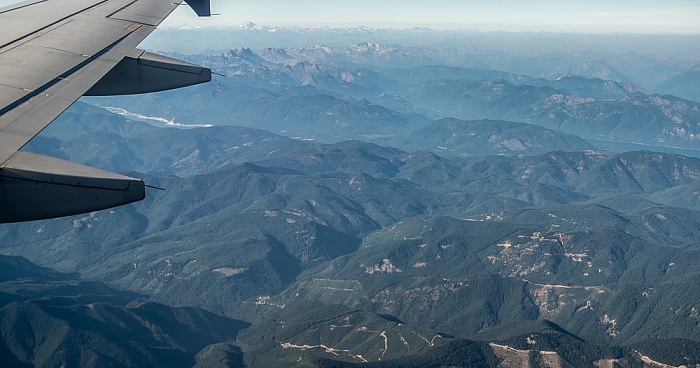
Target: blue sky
{"points": [[645, 16]]}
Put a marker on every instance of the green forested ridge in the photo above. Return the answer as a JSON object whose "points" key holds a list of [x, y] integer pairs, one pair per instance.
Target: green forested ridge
{"points": [[50, 319], [456, 245]]}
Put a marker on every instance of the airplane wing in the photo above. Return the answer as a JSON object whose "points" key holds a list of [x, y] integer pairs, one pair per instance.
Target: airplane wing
{"points": [[51, 53]]}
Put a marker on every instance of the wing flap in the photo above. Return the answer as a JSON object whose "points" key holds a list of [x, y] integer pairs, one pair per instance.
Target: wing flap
{"points": [[34, 187], [48, 64], [63, 38], [55, 54], [28, 20], [146, 12], [26, 117], [8, 95]]}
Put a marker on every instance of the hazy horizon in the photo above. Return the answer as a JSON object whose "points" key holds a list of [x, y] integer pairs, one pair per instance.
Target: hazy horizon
{"points": [[678, 16], [598, 16]]}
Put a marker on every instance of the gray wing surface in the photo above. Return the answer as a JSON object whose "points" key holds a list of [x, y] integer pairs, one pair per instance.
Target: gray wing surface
{"points": [[51, 53]]}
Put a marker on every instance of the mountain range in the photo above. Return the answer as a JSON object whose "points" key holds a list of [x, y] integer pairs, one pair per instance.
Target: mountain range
{"points": [[315, 93], [648, 60], [371, 204]]}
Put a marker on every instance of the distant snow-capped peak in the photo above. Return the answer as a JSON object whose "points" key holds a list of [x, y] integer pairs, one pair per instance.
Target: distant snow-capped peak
{"points": [[250, 26]]}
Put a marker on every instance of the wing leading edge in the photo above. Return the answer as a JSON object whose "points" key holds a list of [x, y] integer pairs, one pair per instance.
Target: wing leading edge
{"points": [[51, 53]]}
